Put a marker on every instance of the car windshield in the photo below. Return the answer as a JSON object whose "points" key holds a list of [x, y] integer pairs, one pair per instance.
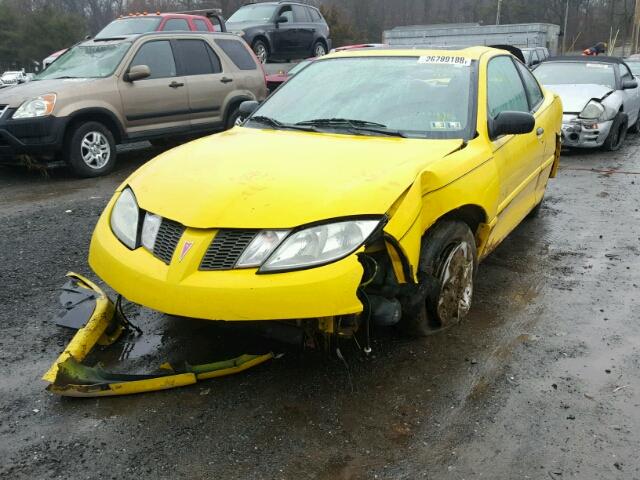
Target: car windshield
{"points": [[253, 13], [421, 97], [87, 61], [130, 26], [299, 67], [634, 65], [580, 73]]}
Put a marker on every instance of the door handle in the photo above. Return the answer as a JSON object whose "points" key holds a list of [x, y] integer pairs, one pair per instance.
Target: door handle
{"points": [[226, 80], [175, 84], [540, 131]]}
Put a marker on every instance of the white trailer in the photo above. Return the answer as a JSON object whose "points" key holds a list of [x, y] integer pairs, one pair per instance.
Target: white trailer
{"points": [[521, 35]]}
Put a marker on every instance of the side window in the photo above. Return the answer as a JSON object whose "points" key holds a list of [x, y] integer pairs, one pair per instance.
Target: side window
{"points": [[625, 74], [315, 15], [176, 25], [535, 58], [196, 58], [287, 13], [158, 56], [300, 14], [201, 25], [505, 91], [238, 53], [534, 92]]}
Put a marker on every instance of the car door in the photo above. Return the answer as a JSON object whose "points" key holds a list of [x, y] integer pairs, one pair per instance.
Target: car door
{"points": [[517, 157], [160, 101], [631, 96], [207, 84], [284, 34], [305, 32]]}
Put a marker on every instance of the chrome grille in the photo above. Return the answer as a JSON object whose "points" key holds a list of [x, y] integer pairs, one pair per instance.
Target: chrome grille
{"points": [[226, 248], [169, 235]]}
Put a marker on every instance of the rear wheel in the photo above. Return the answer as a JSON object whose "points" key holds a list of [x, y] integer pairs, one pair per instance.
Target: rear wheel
{"points": [[90, 150], [617, 134], [448, 261], [319, 49], [261, 50]]}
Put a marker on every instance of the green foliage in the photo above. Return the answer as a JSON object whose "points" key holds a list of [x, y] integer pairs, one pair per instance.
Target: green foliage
{"points": [[29, 37], [342, 30]]}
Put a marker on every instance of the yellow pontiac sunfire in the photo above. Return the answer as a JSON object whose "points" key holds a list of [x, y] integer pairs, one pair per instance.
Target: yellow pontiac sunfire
{"points": [[365, 189]]}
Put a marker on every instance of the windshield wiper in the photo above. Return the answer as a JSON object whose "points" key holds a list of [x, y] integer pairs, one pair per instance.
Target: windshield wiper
{"points": [[355, 125], [272, 122]]}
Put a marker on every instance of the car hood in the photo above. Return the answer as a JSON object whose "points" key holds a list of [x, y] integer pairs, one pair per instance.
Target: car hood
{"points": [[575, 97], [235, 26], [250, 178], [15, 96]]}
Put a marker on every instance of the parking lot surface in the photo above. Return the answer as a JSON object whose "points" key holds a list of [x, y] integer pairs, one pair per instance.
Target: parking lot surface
{"points": [[541, 381]]}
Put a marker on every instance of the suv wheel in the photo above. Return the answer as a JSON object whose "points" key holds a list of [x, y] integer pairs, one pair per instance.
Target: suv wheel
{"points": [[319, 49], [261, 50], [91, 150]]}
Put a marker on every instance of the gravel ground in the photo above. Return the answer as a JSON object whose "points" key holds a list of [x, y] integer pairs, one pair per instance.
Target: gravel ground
{"points": [[541, 381]]}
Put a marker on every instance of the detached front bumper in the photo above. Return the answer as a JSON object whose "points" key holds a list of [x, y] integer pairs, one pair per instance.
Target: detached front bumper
{"points": [[181, 289], [578, 133]]}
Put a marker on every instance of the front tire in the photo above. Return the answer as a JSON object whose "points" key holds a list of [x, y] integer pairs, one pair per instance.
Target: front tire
{"points": [[448, 261], [90, 150], [618, 133], [261, 49]]}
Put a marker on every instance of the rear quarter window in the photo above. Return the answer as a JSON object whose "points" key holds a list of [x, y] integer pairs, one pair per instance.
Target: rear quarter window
{"points": [[238, 53]]}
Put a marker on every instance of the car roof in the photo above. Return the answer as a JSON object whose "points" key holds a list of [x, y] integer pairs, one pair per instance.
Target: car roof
{"points": [[587, 59], [473, 53], [135, 36], [283, 2]]}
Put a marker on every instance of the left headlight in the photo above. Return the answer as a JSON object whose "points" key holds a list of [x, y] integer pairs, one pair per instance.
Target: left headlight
{"points": [[125, 217], [319, 245], [41, 106]]}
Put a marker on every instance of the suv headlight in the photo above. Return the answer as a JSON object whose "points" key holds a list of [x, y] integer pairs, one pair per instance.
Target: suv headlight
{"points": [[124, 218], [41, 106], [319, 245], [594, 110]]}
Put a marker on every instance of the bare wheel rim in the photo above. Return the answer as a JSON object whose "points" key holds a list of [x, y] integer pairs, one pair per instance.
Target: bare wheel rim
{"points": [[320, 51], [261, 52], [95, 150], [456, 284], [238, 122]]}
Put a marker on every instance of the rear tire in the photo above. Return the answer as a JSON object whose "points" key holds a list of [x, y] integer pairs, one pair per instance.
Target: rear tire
{"points": [[618, 133], [319, 49], [448, 261], [261, 49], [90, 150], [233, 118]]}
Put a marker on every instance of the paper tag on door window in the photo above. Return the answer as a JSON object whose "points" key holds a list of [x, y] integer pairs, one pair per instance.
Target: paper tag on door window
{"points": [[445, 59]]}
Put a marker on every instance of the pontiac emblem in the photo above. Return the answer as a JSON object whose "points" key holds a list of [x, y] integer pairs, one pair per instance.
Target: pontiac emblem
{"points": [[185, 249]]}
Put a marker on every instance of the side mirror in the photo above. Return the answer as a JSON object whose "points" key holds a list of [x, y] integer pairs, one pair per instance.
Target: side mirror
{"points": [[511, 123], [137, 72], [629, 84], [281, 19], [248, 107]]}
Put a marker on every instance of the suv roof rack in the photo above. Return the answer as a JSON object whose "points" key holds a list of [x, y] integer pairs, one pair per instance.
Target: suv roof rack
{"points": [[208, 12]]}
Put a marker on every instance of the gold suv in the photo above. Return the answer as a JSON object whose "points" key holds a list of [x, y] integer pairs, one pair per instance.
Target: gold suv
{"points": [[108, 91]]}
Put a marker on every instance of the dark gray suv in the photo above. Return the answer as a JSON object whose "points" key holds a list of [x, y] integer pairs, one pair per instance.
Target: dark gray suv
{"points": [[282, 30]]}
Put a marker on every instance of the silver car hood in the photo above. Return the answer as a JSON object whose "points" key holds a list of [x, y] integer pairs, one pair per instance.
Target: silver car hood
{"points": [[574, 96]]}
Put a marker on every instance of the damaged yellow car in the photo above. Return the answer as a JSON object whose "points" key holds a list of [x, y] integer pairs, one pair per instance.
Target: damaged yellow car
{"points": [[372, 182], [364, 191]]}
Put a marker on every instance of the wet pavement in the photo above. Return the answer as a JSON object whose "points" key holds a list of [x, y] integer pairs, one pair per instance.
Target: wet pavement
{"points": [[541, 381]]}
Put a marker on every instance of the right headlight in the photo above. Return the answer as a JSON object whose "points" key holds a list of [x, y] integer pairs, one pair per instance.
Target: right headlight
{"points": [[319, 245], [594, 110], [124, 218]]}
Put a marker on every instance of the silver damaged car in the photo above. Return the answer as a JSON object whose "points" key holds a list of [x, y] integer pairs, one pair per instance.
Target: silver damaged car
{"points": [[600, 98]]}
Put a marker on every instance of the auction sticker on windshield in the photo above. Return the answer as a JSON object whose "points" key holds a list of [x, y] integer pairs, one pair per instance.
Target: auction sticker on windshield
{"points": [[445, 59]]}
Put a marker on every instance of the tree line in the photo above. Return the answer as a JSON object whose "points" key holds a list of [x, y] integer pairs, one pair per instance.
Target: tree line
{"points": [[32, 29]]}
